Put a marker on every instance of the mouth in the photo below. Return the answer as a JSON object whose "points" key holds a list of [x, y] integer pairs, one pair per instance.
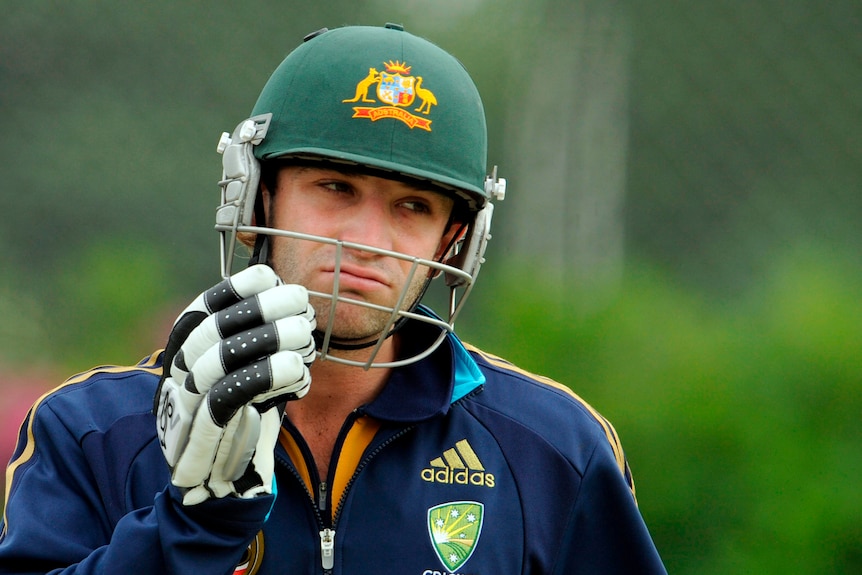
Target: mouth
{"points": [[358, 279]]}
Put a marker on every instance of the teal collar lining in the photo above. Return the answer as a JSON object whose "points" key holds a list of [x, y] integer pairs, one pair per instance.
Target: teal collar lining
{"points": [[467, 375]]}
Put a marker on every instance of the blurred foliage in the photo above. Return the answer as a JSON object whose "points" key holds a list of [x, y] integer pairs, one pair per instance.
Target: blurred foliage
{"points": [[118, 283], [741, 422], [744, 134], [728, 357]]}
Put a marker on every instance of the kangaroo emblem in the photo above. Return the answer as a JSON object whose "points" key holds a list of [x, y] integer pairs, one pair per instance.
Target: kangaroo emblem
{"points": [[364, 85], [396, 92], [427, 97]]}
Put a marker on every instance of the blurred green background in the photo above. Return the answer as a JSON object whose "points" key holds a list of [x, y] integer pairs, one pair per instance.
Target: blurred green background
{"points": [[680, 244]]}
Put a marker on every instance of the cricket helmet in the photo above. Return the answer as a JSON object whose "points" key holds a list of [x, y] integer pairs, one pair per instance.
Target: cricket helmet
{"points": [[383, 100]]}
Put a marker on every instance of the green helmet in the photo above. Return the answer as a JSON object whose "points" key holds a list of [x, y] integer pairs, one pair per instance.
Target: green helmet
{"points": [[385, 100], [378, 97]]}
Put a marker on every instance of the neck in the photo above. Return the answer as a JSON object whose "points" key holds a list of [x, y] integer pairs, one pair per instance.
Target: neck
{"points": [[337, 389]]}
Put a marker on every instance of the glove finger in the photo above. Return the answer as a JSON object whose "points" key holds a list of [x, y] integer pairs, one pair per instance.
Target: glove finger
{"points": [[291, 380], [235, 353], [230, 463], [296, 334], [276, 379], [195, 495], [196, 460], [273, 304], [246, 283], [281, 375], [258, 476]]}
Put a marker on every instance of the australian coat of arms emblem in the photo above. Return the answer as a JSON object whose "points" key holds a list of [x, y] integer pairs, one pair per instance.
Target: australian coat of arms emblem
{"points": [[397, 92]]}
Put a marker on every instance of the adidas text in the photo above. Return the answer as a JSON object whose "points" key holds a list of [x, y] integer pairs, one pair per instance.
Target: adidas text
{"points": [[451, 476]]}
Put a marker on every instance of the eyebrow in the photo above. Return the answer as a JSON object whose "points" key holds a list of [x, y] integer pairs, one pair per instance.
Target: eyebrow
{"points": [[412, 183]]}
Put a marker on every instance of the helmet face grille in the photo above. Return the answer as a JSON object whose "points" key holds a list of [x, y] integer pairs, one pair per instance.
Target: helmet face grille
{"points": [[329, 346], [379, 97]]}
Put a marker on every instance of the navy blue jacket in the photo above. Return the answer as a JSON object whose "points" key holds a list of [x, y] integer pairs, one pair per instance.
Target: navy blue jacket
{"points": [[463, 464]]}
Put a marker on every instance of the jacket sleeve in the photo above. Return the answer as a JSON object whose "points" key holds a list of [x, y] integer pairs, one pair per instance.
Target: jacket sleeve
{"points": [[59, 520], [606, 533]]}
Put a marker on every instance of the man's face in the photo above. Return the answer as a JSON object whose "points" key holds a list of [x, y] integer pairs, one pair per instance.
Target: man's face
{"points": [[377, 212]]}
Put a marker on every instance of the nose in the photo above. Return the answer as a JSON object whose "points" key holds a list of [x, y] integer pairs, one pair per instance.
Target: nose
{"points": [[368, 224]]}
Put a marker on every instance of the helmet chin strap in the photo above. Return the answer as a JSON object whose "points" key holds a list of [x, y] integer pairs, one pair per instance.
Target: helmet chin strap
{"points": [[319, 337], [260, 253]]}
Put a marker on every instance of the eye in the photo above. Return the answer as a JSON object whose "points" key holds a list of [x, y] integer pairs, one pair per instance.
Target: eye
{"points": [[337, 186], [418, 206]]}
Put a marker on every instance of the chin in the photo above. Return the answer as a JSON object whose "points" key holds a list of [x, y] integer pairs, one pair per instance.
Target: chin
{"points": [[352, 323]]}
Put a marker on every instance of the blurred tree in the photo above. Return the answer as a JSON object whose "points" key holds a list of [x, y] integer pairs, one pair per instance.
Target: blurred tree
{"points": [[743, 133], [569, 124]]}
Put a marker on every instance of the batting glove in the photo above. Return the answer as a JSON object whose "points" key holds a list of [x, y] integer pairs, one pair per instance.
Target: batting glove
{"points": [[235, 356]]}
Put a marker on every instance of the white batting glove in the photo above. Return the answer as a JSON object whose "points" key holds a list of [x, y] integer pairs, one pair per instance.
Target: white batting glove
{"points": [[235, 356]]}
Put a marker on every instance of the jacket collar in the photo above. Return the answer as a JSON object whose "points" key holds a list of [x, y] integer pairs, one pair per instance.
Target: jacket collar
{"points": [[426, 388]]}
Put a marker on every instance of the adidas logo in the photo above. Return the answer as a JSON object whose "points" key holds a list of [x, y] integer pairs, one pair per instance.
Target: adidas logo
{"points": [[458, 466]]}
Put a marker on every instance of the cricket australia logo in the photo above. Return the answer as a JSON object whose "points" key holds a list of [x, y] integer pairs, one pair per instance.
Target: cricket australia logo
{"points": [[458, 466], [397, 90], [454, 529]]}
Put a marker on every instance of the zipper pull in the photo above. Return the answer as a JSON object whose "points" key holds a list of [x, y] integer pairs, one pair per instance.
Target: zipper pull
{"points": [[322, 491], [327, 548]]}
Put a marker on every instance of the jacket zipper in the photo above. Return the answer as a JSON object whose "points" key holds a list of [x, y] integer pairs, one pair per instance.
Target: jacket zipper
{"points": [[327, 548], [327, 533], [322, 496]]}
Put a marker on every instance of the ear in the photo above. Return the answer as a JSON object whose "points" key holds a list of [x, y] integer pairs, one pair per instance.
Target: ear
{"points": [[448, 246], [471, 253], [453, 234], [265, 197]]}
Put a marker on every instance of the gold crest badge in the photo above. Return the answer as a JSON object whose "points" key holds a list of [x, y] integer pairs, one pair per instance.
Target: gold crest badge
{"points": [[252, 558], [397, 91]]}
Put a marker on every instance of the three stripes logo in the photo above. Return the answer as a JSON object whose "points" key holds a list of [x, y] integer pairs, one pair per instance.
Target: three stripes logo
{"points": [[458, 466]]}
